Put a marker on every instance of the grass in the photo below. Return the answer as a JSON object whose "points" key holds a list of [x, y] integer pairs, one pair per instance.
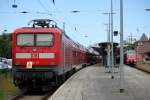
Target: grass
{"points": [[1, 95], [6, 86]]}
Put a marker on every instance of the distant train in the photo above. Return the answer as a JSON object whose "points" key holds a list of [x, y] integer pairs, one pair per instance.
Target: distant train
{"points": [[43, 55], [92, 56], [130, 57]]}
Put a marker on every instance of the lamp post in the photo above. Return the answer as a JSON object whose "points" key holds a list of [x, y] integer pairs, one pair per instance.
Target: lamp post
{"points": [[121, 49], [108, 40], [112, 47], [111, 54]]}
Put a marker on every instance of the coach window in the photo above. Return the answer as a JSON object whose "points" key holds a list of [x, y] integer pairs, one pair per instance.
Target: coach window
{"points": [[25, 39], [74, 53], [44, 40]]}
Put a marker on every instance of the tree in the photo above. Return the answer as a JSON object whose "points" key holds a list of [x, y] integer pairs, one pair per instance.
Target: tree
{"points": [[131, 46], [5, 45]]}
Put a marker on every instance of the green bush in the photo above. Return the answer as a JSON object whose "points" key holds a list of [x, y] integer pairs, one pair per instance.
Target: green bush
{"points": [[1, 95]]}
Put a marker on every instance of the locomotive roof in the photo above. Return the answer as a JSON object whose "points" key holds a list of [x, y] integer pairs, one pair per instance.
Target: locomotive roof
{"points": [[39, 29]]}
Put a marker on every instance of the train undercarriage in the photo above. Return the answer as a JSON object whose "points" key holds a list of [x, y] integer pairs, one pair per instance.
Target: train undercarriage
{"points": [[41, 79]]}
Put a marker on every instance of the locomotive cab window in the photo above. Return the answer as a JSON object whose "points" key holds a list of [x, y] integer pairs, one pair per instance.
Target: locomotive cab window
{"points": [[39, 39], [44, 40], [131, 53], [25, 39]]}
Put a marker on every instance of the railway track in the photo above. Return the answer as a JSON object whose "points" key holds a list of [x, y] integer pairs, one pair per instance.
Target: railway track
{"points": [[143, 70], [24, 95], [139, 68], [33, 96]]}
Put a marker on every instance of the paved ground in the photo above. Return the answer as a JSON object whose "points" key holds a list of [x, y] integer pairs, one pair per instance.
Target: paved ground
{"points": [[92, 83]]}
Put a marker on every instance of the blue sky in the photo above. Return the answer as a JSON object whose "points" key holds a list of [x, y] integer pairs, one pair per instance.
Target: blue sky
{"points": [[88, 22]]}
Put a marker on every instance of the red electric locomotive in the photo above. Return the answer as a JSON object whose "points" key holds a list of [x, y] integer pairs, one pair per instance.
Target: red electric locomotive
{"points": [[130, 57], [43, 54]]}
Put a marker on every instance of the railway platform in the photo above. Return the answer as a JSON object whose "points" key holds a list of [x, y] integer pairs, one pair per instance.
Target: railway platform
{"points": [[93, 83]]}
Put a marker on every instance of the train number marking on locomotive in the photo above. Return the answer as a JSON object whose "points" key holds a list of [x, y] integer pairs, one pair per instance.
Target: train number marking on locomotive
{"points": [[35, 55]]}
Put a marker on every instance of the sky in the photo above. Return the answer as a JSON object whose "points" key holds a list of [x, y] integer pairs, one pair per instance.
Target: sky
{"points": [[87, 26]]}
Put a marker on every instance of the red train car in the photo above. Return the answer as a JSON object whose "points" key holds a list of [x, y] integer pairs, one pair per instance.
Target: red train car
{"points": [[43, 54], [130, 57]]}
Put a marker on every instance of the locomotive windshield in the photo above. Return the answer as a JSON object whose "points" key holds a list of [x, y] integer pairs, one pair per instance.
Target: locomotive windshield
{"points": [[131, 52], [44, 39], [25, 39], [40, 39]]}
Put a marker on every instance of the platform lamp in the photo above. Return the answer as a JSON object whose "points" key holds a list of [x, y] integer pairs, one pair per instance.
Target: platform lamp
{"points": [[14, 5], [115, 33], [148, 9]]}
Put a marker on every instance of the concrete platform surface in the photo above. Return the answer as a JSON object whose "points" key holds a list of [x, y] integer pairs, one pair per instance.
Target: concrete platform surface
{"points": [[93, 83]]}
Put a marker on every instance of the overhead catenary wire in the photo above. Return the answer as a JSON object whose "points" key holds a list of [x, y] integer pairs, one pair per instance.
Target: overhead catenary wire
{"points": [[44, 8], [58, 11]]}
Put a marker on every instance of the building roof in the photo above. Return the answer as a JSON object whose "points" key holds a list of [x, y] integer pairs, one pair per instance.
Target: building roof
{"points": [[104, 44], [143, 45], [144, 37]]}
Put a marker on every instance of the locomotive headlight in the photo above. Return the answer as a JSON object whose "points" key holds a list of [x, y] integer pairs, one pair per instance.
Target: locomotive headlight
{"points": [[52, 63]]}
